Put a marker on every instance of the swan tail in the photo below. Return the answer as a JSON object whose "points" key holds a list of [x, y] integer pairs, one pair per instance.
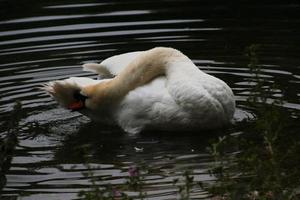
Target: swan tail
{"points": [[99, 69]]}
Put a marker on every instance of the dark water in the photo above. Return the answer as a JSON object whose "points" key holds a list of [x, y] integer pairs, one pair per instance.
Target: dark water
{"points": [[48, 40]]}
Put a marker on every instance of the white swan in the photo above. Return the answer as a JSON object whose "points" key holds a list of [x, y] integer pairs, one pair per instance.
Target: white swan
{"points": [[160, 88]]}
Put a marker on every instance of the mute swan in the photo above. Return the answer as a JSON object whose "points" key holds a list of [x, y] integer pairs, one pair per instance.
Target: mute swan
{"points": [[160, 88]]}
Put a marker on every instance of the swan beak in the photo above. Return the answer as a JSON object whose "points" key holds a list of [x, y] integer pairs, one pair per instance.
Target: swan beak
{"points": [[79, 102], [77, 105]]}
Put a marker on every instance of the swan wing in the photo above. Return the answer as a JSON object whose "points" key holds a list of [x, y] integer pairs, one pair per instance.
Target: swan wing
{"points": [[149, 106], [111, 66]]}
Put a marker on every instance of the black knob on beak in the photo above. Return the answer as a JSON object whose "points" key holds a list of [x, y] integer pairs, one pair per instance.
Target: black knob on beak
{"points": [[79, 97], [79, 103]]}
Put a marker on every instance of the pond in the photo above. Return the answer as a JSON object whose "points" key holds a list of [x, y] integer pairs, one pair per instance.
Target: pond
{"points": [[48, 40]]}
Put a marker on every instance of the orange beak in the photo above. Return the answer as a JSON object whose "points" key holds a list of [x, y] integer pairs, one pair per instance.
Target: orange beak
{"points": [[76, 105]]}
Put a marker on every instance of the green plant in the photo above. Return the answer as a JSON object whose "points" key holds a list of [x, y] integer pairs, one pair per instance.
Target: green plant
{"points": [[9, 141], [186, 187], [266, 165], [108, 192]]}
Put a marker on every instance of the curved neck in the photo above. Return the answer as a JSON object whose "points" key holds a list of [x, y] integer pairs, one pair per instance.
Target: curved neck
{"points": [[147, 66]]}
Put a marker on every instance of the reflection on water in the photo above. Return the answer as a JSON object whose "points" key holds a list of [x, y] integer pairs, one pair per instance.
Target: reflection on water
{"points": [[48, 40]]}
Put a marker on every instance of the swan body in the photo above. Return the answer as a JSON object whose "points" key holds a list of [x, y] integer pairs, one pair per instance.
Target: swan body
{"points": [[160, 88]]}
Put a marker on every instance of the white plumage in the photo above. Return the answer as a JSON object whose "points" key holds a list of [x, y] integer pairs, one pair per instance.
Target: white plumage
{"points": [[156, 89]]}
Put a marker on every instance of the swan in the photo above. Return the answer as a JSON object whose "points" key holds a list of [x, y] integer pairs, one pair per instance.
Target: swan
{"points": [[160, 88]]}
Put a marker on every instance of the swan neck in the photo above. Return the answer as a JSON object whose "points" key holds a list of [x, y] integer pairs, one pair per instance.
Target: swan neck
{"points": [[146, 67]]}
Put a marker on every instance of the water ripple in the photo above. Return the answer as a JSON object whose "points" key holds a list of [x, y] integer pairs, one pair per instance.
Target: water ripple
{"points": [[50, 40]]}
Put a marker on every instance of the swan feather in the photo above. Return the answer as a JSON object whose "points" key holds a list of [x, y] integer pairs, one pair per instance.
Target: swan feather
{"points": [[160, 88]]}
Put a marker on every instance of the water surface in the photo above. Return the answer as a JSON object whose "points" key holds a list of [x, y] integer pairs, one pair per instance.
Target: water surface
{"points": [[42, 41]]}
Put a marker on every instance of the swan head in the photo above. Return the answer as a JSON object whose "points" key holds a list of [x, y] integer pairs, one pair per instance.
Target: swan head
{"points": [[66, 93], [78, 94]]}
